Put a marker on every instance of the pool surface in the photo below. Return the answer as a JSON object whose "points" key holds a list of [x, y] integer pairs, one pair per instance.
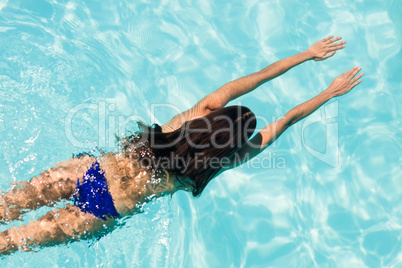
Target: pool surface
{"points": [[328, 193]]}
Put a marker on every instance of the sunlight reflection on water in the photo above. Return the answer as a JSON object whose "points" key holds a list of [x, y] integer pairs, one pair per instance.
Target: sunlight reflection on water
{"points": [[131, 54]]}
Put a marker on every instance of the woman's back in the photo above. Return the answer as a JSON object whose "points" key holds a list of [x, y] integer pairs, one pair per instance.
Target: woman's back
{"points": [[130, 184]]}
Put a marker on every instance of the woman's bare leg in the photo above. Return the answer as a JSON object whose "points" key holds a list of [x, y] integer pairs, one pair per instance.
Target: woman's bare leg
{"points": [[50, 186], [56, 227]]}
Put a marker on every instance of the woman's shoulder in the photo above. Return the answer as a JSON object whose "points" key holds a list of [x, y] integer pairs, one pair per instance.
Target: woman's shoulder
{"points": [[177, 121]]}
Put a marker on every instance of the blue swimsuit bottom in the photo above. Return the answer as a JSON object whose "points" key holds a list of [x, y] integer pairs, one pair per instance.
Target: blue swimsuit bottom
{"points": [[93, 196]]}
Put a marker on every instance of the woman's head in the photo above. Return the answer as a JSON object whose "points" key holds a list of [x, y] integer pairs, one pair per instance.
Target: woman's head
{"points": [[200, 147]]}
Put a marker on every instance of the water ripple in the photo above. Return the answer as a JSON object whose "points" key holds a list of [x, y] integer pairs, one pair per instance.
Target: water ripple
{"points": [[132, 54]]}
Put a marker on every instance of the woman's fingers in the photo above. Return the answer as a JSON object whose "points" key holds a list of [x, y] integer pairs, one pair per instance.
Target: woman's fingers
{"points": [[336, 47], [356, 83], [353, 72], [329, 54], [357, 77], [327, 38], [330, 41], [338, 44], [353, 78]]}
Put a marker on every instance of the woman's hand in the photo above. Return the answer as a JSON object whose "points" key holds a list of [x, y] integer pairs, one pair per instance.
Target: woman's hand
{"points": [[325, 48], [345, 82]]}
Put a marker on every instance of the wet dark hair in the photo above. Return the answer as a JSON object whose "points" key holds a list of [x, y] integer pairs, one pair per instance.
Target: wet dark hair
{"points": [[195, 149]]}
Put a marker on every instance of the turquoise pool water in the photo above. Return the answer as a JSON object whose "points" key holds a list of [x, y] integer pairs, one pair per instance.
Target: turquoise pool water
{"points": [[326, 194]]}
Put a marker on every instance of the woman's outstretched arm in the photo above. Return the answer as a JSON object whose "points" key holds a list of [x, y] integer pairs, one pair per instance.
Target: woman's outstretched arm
{"points": [[320, 50], [341, 85]]}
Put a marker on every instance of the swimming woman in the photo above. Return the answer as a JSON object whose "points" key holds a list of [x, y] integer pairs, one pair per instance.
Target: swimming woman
{"points": [[183, 154]]}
